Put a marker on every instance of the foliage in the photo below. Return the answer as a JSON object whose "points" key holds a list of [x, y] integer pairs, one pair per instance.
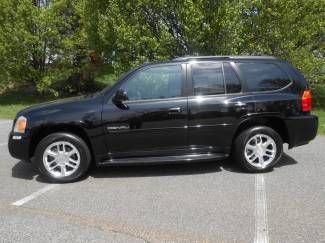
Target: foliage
{"points": [[63, 46], [13, 101]]}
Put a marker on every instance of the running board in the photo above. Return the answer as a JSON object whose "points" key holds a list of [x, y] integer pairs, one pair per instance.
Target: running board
{"points": [[165, 159]]}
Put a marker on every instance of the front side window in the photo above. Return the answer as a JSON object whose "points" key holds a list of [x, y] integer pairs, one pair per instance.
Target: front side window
{"points": [[263, 76], [155, 83], [207, 79]]}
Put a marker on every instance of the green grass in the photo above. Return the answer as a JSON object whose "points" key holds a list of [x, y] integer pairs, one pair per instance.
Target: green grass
{"points": [[14, 101], [321, 120]]}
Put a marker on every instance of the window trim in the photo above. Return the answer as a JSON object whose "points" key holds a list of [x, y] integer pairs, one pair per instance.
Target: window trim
{"points": [[232, 65], [265, 91], [128, 77]]}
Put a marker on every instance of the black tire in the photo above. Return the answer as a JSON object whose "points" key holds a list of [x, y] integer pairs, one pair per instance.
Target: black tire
{"points": [[80, 145], [241, 141]]}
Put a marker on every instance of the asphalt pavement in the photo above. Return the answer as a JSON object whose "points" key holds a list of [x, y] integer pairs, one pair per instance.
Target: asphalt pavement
{"points": [[199, 202]]}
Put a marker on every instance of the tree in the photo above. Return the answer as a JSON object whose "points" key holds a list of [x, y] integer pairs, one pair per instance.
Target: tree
{"points": [[42, 45], [60, 46], [292, 30]]}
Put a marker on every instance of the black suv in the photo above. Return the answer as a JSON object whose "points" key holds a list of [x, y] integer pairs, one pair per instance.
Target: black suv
{"points": [[187, 109]]}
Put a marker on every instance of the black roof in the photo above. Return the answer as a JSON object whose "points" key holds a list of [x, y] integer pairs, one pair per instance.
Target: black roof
{"points": [[189, 58]]}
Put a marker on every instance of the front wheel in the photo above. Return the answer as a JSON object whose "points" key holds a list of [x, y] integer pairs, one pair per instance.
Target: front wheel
{"points": [[62, 157], [258, 149]]}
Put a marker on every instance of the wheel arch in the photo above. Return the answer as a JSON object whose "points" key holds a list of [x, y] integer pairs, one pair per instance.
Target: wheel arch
{"points": [[44, 131], [274, 122]]}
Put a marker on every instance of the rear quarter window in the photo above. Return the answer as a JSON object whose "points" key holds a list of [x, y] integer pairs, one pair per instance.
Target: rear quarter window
{"points": [[263, 76]]}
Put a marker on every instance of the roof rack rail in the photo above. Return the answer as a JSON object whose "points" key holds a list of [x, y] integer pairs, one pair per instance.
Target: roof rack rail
{"points": [[186, 58], [199, 57]]}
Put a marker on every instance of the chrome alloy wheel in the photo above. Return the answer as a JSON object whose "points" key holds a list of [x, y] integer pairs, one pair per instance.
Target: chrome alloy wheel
{"points": [[260, 150], [61, 159]]}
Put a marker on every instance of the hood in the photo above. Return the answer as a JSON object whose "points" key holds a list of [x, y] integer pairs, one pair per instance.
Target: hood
{"points": [[56, 105]]}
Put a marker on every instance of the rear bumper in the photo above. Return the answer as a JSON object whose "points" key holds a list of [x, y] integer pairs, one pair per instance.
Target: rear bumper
{"points": [[18, 145], [301, 129]]}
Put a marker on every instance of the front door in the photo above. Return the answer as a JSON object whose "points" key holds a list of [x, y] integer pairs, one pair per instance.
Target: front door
{"points": [[153, 120]]}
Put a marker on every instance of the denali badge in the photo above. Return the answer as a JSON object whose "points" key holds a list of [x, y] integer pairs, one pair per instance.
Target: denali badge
{"points": [[122, 127]]}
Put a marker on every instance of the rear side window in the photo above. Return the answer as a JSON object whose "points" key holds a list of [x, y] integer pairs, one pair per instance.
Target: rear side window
{"points": [[233, 84], [263, 76], [207, 79]]}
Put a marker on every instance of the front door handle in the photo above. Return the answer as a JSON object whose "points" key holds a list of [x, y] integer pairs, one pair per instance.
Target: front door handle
{"points": [[174, 110]]}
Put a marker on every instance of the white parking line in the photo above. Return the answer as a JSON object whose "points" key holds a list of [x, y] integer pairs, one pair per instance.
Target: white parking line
{"points": [[34, 195], [261, 229]]}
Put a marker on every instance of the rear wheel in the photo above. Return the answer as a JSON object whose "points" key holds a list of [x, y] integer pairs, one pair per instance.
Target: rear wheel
{"points": [[62, 157], [258, 149]]}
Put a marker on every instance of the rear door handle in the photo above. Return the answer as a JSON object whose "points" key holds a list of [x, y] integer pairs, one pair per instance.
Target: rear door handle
{"points": [[241, 106], [174, 110]]}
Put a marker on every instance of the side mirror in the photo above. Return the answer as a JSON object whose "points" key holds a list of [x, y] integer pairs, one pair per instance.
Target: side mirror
{"points": [[119, 97]]}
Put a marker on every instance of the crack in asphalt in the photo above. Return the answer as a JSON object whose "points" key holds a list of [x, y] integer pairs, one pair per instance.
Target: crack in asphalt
{"points": [[108, 227], [78, 220]]}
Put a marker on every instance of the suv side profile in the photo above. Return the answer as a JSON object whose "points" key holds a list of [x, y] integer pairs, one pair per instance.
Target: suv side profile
{"points": [[186, 109]]}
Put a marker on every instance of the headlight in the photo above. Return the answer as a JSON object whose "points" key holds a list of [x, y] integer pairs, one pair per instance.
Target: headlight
{"points": [[20, 125]]}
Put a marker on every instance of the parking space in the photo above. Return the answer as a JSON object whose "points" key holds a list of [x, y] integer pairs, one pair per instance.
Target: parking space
{"points": [[202, 202]]}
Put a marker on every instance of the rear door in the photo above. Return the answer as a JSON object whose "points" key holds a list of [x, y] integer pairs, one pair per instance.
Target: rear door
{"points": [[216, 102]]}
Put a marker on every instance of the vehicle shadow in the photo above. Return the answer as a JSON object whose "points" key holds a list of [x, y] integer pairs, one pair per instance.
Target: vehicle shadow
{"points": [[176, 169], [25, 171], [231, 166], [285, 161]]}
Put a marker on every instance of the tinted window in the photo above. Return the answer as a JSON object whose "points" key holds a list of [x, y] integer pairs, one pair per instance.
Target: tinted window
{"points": [[155, 83], [263, 76], [207, 79], [232, 82]]}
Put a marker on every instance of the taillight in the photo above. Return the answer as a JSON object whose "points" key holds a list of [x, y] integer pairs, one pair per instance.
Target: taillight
{"points": [[306, 101]]}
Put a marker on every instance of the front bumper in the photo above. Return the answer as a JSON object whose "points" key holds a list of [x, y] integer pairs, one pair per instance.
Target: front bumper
{"points": [[301, 129], [18, 145]]}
